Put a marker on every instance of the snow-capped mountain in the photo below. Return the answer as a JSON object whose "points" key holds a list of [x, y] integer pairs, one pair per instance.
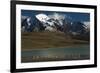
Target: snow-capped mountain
{"points": [[50, 23], [87, 25], [42, 18], [55, 22], [25, 23], [46, 22]]}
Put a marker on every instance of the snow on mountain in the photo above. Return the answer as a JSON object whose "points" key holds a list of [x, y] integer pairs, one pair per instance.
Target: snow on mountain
{"points": [[87, 25], [42, 17], [51, 20], [23, 18], [50, 29], [26, 23], [58, 17], [77, 28], [55, 22], [46, 21]]}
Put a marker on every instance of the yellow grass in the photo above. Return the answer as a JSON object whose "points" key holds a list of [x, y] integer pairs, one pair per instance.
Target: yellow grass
{"points": [[33, 40]]}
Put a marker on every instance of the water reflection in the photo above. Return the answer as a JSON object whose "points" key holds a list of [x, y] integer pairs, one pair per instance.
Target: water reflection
{"points": [[56, 54]]}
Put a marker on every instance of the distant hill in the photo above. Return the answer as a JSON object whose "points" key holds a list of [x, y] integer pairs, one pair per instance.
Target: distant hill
{"points": [[45, 39]]}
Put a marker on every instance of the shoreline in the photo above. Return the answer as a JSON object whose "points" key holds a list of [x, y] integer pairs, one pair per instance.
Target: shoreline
{"points": [[75, 46]]}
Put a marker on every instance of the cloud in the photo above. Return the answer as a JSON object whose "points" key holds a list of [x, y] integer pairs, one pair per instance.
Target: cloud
{"points": [[24, 17], [57, 16]]}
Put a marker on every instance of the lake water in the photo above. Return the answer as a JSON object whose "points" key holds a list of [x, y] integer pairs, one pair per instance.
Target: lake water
{"points": [[81, 52]]}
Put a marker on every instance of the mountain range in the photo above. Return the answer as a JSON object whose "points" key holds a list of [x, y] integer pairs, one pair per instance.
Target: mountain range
{"points": [[54, 23]]}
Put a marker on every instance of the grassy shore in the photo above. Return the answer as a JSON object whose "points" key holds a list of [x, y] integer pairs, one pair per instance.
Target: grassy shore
{"points": [[33, 40]]}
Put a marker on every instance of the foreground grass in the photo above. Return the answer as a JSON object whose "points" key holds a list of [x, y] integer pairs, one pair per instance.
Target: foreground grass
{"points": [[33, 40]]}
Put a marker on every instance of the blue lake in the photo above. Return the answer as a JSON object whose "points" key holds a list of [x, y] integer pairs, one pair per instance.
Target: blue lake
{"points": [[81, 52]]}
